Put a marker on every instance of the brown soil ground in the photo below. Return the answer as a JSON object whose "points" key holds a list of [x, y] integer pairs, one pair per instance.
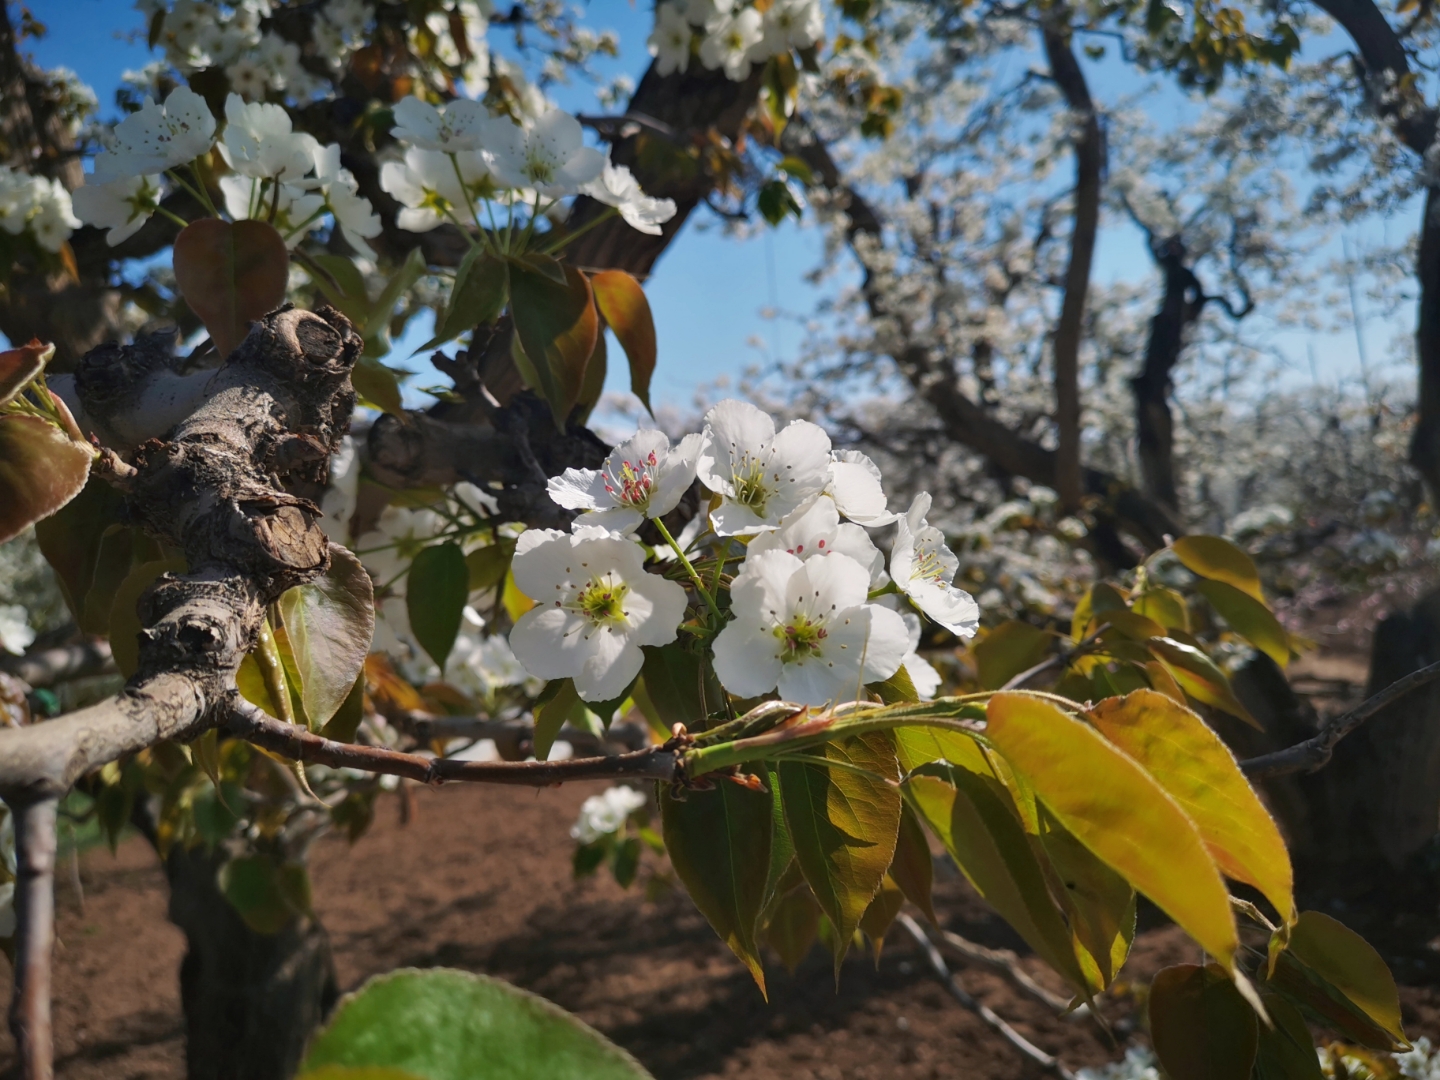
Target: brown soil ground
{"points": [[480, 879]]}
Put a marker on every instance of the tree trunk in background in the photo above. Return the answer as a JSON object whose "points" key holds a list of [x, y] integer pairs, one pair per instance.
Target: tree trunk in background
{"points": [[1069, 330], [251, 1000], [1180, 306]]}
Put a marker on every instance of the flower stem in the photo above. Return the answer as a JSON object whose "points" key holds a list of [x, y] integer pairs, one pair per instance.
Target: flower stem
{"points": [[695, 577], [176, 218], [201, 199], [204, 191], [554, 246]]}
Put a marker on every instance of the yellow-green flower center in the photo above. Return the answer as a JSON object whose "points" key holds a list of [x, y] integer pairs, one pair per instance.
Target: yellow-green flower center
{"points": [[800, 638], [750, 487], [601, 601]]}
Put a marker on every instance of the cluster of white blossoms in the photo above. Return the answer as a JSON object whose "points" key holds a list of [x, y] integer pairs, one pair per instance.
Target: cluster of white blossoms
{"points": [[459, 157], [276, 173], [15, 633], [731, 35], [812, 613], [604, 815], [38, 206]]}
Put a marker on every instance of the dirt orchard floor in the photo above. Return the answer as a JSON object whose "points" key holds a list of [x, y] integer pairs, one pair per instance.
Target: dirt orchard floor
{"points": [[480, 879]]}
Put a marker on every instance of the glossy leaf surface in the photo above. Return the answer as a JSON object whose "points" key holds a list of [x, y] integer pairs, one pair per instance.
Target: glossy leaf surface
{"points": [[330, 623], [436, 591], [1249, 618], [1217, 559], [1348, 967], [482, 286], [556, 325]]}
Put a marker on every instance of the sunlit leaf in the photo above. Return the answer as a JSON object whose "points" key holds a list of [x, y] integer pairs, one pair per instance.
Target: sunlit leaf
{"points": [[330, 622], [436, 591], [1218, 559], [1165, 606], [41, 469], [440, 1024], [626, 311], [1099, 903], [844, 825], [377, 385], [1200, 1026], [1119, 812], [230, 273], [1190, 762], [719, 844], [18, 367], [1199, 676]]}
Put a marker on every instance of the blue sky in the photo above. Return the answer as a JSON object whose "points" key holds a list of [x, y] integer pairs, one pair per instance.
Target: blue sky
{"points": [[710, 291]]}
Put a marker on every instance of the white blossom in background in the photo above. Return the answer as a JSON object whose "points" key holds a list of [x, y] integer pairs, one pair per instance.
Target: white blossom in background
{"points": [[356, 218], [15, 633], [594, 607], [644, 477], [729, 41], [158, 137], [790, 24], [1138, 1064], [291, 208], [398, 536], [923, 569], [426, 184], [459, 126], [484, 664], [37, 205], [803, 626], [816, 529], [760, 474], [706, 13], [616, 186], [123, 206], [1420, 1062], [604, 815], [669, 42], [551, 156]]}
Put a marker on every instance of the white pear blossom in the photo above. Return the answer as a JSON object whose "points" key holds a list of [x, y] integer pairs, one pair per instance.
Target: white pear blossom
{"points": [[602, 815], [159, 137], [52, 218], [15, 633], [923, 675], [616, 186], [669, 42], [816, 529], [707, 13], [788, 24], [1138, 1064], [644, 477], [594, 607], [761, 475], [856, 486], [804, 626], [123, 206], [729, 41], [295, 209], [426, 184], [353, 213], [260, 142], [551, 157], [923, 568], [247, 78], [459, 126]]}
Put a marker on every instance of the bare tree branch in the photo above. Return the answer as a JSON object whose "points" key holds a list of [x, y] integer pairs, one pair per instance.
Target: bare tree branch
{"points": [[1007, 962], [34, 935], [46, 667], [1314, 753]]}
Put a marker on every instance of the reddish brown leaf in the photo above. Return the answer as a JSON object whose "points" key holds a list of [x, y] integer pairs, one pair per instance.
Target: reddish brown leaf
{"points": [[19, 366], [231, 273], [557, 326], [622, 301], [41, 469]]}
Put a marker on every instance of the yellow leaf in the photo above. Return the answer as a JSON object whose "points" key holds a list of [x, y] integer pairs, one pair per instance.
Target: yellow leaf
{"points": [[1217, 559], [1119, 812], [1166, 606], [1190, 762]]}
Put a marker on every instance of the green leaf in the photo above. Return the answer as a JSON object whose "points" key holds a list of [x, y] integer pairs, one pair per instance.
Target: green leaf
{"points": [[377, 328], [266, 893], [1199, 677], [794, 927], [783, 872], [345, 286], [594, 385], [436, 591], [796, 168], [482, 286], [844, 825], [1189, 761], [330, 622], [377, 385], [112, 565], [776, 201], [18, 368], [1009, 649], [915, 746], [1119, 812], [125, 625], [675, 682], [897, 689], [1166, 607], [557, 326], [1217, 559], [972, 813], [1249, 618], [1200, 1026], [346, 721], [41, 469], [71, 539], [342, 1072], [779, 88], [1286, 1050], [914, 867], [554, 706], [622, 302], [719, 844], [230, 273], [488, 565], [881, 913], [1338, 976], [441, 1024], [1099, 904]]}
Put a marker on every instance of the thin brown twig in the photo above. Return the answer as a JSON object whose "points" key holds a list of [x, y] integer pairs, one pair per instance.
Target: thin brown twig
{"points": [[1005, 961], [1048, 1062], [1316, 751], [35, 842], [1016, 682]]}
